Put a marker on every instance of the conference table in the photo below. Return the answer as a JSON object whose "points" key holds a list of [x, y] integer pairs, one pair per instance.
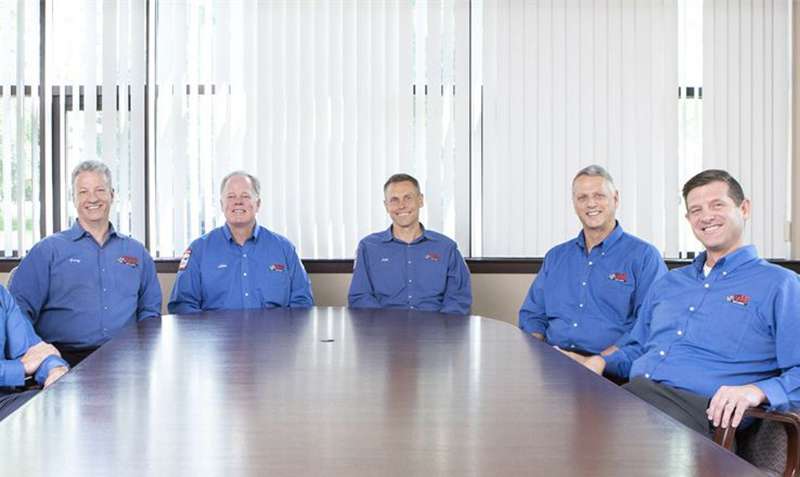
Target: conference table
{"points": [[334, 391]]}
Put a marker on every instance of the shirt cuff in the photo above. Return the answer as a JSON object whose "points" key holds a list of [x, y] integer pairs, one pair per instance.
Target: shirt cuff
{"points": [[531, 325], [778, 400], [617, 364], [47, 365]]}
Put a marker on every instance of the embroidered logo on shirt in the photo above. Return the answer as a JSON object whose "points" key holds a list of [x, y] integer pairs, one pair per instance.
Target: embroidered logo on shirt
{"points": [[433, 257], [384, 259], [619, 277], [738, 299], [74, 260], [128, 260], [185, 259], [222, 265], [277, 267]]}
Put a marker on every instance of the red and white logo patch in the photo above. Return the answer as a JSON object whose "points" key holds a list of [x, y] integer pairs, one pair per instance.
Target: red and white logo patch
{"points": [[433, 257], [619, 277], [738, 299], [128, 260], [277, 267], [185, 259]]}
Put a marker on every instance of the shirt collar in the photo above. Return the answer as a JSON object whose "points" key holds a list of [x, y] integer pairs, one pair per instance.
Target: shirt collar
{"points": [[386, 235], [729, 262], [77, 232], [229, 235], [607, 242]]}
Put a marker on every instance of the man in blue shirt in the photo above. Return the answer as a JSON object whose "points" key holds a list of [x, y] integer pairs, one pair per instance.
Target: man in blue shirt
{"points": [[720, 335], [241, 264], [586, 295], [81, 285], [22, 354], [408, 266]]}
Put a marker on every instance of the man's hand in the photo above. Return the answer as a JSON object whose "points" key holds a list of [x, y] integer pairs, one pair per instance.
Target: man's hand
{"points": [[538, 336], [729, 403], [37, 353], [595, 363], [54, 374], [610, 350], [574, 356]]}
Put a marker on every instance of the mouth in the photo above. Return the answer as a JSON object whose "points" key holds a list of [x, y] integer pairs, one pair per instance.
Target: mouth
{"points": [[711, 228], [593, 213], [93, 207]]}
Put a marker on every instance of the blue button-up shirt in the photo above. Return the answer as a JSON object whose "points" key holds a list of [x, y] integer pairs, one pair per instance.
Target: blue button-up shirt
{"points": [[16, 336], [79, 294], [427, 274], [738, 325], [216, 273], [588, 302]]}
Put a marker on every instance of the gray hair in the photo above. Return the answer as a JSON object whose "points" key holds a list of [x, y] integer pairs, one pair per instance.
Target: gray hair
{"points": [[92, 166], [596, 171], [253, 181]]}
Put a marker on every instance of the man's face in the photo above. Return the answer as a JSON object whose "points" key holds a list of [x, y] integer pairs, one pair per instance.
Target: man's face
{"points": [[92, 197], [717, 222], [403, 201], [239, 202], [595, 203]]}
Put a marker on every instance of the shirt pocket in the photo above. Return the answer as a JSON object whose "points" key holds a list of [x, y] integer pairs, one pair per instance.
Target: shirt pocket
{"points": [[432, 276], [387, 275], [76, 276], [273, 289], [722, 330], [126, 278], [615, 290]]}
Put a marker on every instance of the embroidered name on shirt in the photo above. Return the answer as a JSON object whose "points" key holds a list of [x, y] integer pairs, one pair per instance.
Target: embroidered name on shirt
{"points": [[128, 260], [277, 267], [74, 260], [738, 299], [222, 265], [619, 277], [384, 259], [185, 259]]}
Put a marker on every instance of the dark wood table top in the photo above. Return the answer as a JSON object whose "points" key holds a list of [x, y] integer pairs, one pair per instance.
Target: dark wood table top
{"points": [[332, 391]]}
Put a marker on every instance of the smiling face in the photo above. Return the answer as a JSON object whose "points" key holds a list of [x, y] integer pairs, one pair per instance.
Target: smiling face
{"points": [[595, 203], [716, 220], [240, 202], [92, 197], [403, 201]]}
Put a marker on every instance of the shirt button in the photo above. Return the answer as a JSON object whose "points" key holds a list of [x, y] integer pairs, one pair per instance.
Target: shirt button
{"points": [[583, 283], [102, 269], [244, 274], [409, 281], [246, 294], [105, 308], [590, 263], [580, 306], [104, 289], [691, 308], [412, 307], [706, 285], [409, 297], [724, 273], [574, 325], [647, 375], [572, 346], [244, 255], [680, 332], [409, 262], [662, 353]]}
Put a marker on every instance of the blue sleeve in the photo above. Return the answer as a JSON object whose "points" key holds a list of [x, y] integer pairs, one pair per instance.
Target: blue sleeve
{"points": [[361, 293], [533, 314], [49, 363], [650, 270], [149, 290], [19, 336], [300, 295], [458, 290], [783, 392], [187, 291], [31, 284], [619, 363]]}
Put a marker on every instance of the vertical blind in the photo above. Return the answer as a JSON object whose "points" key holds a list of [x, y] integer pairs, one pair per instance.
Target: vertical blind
{"points": [[96, 65], [747, 109], [19, 127], [572, 83], [320, 100]]}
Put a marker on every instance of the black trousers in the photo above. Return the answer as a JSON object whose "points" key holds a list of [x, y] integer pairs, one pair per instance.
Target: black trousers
{"points": [[14, 400], [687, 408], [73, 356]]}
